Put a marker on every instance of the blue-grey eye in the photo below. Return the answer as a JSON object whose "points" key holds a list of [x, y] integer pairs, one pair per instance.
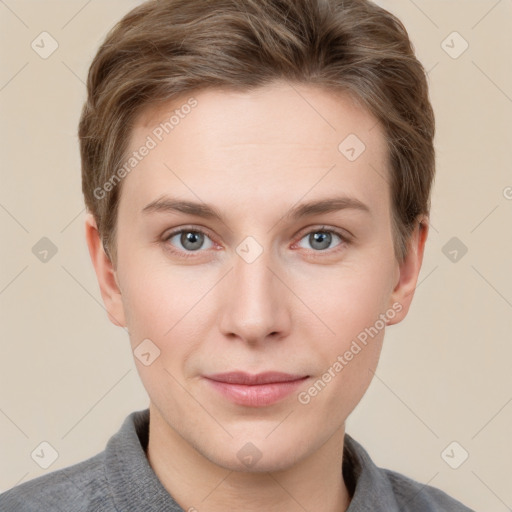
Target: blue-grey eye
{"points": [[321, 239], [190, 240]]}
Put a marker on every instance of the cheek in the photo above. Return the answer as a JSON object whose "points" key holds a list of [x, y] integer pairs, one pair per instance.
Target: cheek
{"points": [[159, 306], [356, 308], [347, 300], [148, 312], [349, 357], [164, 303]]}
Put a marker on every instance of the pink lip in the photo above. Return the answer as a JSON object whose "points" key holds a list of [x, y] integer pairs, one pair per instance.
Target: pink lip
{"points": [[255, 390]]}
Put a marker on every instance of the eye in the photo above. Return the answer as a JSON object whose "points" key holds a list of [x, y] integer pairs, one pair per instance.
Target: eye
{"points": [[187, 241], [190, 240], [321, 239]]}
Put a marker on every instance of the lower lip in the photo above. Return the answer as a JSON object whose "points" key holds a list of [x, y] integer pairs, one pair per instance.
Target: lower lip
{"points": [[258, 395]]}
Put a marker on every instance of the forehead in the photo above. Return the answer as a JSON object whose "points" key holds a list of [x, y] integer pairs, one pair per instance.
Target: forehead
{"points": [[279, 135], [321, 110]]}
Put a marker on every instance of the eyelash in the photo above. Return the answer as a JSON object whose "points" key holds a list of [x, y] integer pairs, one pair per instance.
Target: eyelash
{"points": [[191, 254]]}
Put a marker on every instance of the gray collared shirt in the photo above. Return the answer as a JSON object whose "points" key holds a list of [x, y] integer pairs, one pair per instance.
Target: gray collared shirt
{"points": [[120, 479]]}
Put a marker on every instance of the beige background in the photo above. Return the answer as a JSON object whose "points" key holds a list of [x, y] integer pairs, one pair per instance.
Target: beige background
{"points": [[67, 375]]}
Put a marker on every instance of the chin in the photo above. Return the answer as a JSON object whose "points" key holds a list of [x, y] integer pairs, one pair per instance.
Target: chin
{"points": [[265, 464], [259, 455]]}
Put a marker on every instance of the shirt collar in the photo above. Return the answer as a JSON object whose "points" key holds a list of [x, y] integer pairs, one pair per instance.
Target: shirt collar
{"points": [[135, 486], [133, 483], [372, 489]]}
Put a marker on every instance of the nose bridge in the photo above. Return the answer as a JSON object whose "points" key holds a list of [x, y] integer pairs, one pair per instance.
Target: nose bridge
{"points": [[254, 307]]}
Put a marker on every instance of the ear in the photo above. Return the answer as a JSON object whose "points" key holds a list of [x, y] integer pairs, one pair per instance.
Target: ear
{"points": [[409, 271], [105, 273]]}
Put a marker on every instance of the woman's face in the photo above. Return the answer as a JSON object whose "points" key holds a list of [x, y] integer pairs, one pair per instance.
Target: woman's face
{"points": [[254, 236]]}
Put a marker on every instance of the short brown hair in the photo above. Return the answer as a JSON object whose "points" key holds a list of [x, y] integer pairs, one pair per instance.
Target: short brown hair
{"points": [[163, 49]]}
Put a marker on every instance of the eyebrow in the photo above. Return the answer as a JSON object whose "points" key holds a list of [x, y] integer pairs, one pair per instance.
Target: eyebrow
{"points": [[166, 204]]}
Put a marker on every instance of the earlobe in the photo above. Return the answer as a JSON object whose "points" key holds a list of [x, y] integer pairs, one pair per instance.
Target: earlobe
{"points": [[409, 270], [105, 273]]}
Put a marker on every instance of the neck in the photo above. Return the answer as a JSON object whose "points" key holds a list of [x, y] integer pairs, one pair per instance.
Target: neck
{"points": [[195, 483]]}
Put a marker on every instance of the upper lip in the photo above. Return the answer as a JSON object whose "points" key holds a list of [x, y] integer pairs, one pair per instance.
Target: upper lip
{"points": [[254, 379]]}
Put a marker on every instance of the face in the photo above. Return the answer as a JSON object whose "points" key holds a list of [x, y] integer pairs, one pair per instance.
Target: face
{"points": [[252, 239]]}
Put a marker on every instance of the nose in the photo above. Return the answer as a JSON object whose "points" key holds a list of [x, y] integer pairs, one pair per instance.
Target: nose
{"points": [[254, 301]]}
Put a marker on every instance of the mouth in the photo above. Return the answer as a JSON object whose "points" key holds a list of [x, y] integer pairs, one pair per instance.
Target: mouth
{"points": [[254, 390]]}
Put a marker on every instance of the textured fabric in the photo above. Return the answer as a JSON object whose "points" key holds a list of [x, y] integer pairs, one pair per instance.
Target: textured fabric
{"points": [[120, 479]]}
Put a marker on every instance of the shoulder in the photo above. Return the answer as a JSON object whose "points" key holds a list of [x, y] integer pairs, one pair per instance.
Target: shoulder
{"points": [[417, 497], [82, 487], [384, 490]]}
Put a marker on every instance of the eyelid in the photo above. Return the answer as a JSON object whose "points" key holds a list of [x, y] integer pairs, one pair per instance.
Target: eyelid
{"points": [[315, 228], [189, 228]]}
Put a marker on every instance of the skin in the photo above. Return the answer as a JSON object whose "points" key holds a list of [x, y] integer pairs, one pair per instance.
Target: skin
{"points": [[294, 309]]}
